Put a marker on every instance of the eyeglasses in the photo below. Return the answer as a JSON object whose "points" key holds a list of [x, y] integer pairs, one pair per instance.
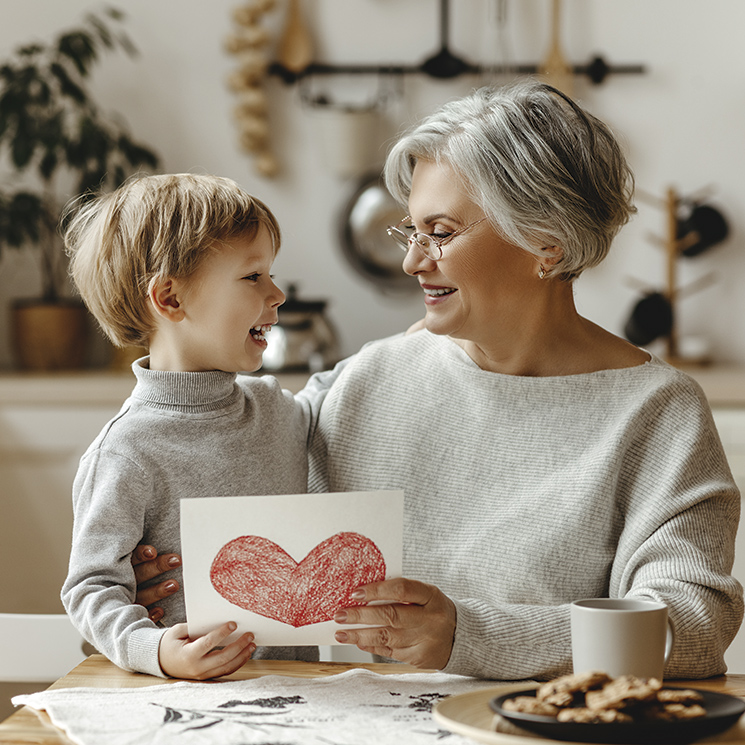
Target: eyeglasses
{"points": [[430, 245]]}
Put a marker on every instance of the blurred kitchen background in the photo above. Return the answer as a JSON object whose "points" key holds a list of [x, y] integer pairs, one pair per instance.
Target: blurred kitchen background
{"points": [[681, 121]]}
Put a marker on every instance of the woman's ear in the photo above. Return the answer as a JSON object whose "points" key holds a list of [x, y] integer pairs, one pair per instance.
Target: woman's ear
{"points": [[551, 255], [165, 299]]}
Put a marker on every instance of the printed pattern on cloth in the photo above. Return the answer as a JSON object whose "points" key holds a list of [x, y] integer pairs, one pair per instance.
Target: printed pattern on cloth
{"points": [[351, 708]]}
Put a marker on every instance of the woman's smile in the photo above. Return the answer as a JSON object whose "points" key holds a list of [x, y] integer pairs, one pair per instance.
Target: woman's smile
{"points": [[434, 294]]}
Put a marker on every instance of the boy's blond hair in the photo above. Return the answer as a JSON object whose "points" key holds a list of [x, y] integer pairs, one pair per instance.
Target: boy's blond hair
{"points": [[152, 227]]}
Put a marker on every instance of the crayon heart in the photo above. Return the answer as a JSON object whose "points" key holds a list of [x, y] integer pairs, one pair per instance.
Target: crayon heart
{"points": [[256, 574]]}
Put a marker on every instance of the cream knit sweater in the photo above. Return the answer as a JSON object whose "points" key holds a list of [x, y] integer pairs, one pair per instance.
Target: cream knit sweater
{"points": [[523, 494]]}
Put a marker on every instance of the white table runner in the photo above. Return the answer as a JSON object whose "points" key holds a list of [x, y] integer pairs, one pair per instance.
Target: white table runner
{"points": [[357, 707]]}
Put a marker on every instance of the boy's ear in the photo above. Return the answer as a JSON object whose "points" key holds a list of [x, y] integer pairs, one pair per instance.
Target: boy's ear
{"points": [[164, 296]]}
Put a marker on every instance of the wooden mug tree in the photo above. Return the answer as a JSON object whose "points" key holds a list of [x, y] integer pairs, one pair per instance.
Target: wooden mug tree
{"points": [[675, 246]]}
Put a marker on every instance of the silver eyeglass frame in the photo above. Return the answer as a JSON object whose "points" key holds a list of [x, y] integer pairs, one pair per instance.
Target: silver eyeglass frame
{"points": [[429, 245]]}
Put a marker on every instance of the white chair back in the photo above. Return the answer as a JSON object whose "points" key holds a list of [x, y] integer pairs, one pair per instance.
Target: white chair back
{"points": [[38, 648]]}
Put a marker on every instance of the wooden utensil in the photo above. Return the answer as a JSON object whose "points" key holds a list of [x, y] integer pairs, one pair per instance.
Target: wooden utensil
{"points": [[555, 68], [296, 44]]}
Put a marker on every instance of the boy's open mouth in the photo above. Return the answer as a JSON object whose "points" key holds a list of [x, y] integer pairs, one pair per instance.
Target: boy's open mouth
{"points": [[260, 332]]}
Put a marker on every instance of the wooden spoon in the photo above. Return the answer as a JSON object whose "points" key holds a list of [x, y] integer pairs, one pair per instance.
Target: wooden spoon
{"points": [[555, 68], [296, 44]]}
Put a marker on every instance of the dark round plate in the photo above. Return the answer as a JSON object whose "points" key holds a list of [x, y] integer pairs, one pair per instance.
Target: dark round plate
{"points": [[722, 711]]}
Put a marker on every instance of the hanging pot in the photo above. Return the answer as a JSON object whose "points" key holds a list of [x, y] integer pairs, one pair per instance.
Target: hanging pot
{"points": [[364, 241]]}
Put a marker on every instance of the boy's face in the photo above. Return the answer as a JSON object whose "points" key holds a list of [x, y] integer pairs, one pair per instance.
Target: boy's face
{"points": [[229, 304]]}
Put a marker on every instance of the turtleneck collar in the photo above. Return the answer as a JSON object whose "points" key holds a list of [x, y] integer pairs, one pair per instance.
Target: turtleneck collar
{"points": [[201, 391]]}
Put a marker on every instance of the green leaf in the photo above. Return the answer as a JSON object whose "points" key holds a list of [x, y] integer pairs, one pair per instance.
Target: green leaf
{"points": [[30, 50], [20, 219], [23, 146], [48, 164], [115, 13], [135, 154], [92, 180], [103, 32], [51, 130], [40, 92], [119, 176], [79, 47], [94, 140], [68, 87]]}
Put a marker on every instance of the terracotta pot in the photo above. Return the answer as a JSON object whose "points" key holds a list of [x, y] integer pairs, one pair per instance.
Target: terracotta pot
{"points": [[49, 336]]}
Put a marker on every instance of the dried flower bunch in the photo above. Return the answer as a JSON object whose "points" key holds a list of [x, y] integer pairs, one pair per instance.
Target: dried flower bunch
{"points": [[248, 44]]}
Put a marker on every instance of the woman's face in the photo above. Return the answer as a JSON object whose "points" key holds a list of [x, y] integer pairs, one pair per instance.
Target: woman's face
{"points": [[482, 285]]}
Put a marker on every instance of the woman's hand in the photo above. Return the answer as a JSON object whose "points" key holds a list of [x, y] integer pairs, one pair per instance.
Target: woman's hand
{"points": [[198, 659], [417, 626], [147, 564]]}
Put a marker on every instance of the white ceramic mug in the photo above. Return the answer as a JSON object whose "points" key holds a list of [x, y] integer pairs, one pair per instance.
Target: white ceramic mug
{"points": [[620, 636]]}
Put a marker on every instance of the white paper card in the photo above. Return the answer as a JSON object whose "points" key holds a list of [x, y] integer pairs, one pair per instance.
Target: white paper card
{"points": [[279, 566]]}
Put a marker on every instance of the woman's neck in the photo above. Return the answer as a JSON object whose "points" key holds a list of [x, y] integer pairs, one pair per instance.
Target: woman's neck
{"points": [[553, 340]]}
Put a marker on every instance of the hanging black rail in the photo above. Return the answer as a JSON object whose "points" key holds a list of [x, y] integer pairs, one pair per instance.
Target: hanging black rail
{"points": [[444, 64]]}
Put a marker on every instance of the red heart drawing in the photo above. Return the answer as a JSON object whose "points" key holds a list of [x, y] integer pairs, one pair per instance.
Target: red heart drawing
{"points": [[256, 574]]}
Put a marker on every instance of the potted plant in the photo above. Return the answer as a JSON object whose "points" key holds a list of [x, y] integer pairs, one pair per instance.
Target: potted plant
{"points": [[56, 143]]}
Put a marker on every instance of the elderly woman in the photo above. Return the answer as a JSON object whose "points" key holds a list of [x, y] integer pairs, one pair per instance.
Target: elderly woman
{"points": [[543, 459]]}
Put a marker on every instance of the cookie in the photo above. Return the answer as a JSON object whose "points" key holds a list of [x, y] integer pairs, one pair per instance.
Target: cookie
{"points": [[584, 715], [676, 712], [679, 696], [623, 692], [530, 705], [563, 691]]}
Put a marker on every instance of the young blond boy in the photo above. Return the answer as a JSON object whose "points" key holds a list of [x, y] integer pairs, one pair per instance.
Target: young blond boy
{"points": [[179, 264]]}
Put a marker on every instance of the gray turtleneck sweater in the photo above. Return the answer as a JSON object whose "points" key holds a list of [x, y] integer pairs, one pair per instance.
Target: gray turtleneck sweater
{"points": [[179, 435]]}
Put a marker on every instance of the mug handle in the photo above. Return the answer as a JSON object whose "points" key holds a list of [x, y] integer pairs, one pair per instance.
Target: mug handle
{"points": [[670, 640]]}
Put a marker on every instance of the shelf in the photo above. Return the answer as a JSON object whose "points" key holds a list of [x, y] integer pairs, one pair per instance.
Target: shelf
{"points": [[87, 388]]}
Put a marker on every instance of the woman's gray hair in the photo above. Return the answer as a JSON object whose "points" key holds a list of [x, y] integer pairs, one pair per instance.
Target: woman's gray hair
{"points": [[544, 171]]}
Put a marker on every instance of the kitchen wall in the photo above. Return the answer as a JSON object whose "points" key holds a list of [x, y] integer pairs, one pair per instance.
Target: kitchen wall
{"points": [[682, 124]]}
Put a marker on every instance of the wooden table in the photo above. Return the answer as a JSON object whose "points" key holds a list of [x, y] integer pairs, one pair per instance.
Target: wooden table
{"points": [[28, 726]]}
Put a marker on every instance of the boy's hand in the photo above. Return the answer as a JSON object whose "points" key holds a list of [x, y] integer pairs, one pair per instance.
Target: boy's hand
{"points": [[197, 659]]}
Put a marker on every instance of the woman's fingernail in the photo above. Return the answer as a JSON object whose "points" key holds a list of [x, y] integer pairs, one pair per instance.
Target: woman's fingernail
{"points": [[252, 648], [232, 626], [340, 616], [170, 587], [156, 615], [341, 636], [358, 595], [174, 561], [149, 553]]}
